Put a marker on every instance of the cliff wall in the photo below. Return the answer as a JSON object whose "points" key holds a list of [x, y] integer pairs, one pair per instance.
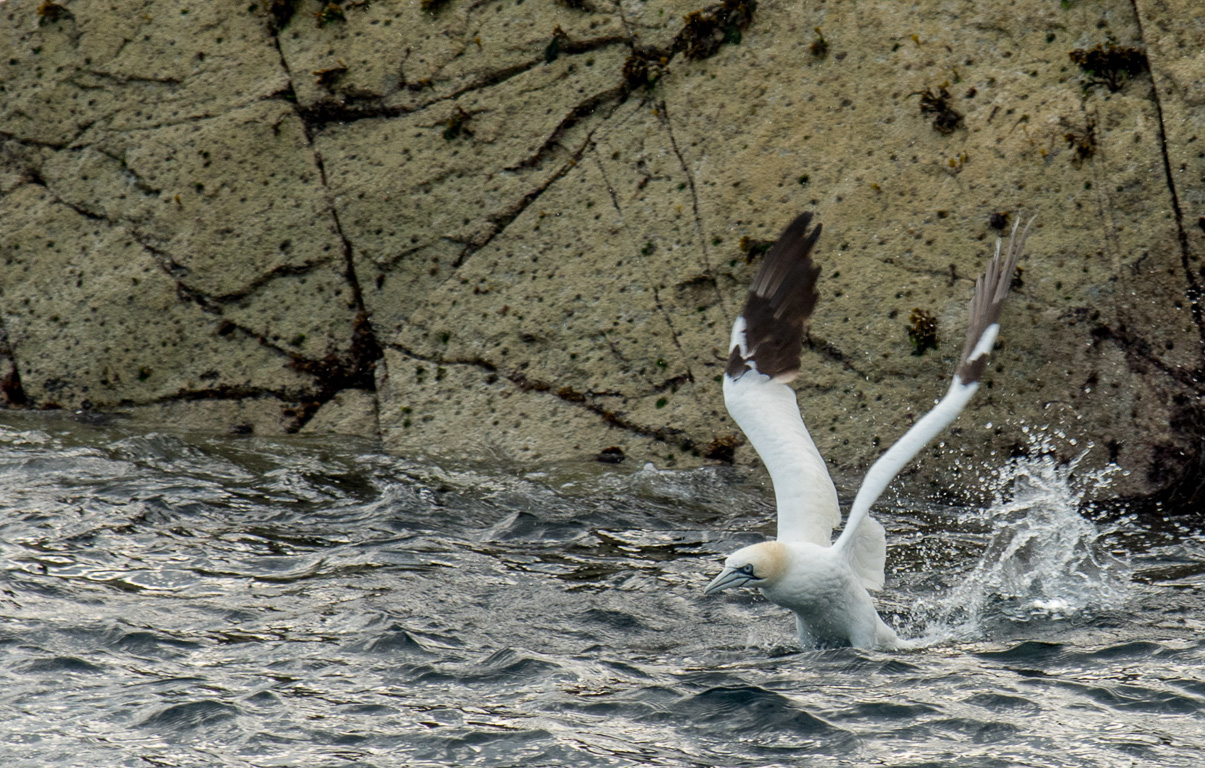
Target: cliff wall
{"points": [[520, 230]]}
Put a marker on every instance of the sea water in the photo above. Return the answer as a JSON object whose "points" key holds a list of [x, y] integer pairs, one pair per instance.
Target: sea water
{"points": [[177, 600]]}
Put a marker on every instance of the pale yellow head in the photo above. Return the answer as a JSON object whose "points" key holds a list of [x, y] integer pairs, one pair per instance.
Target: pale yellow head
{"points": [[758, 565]]}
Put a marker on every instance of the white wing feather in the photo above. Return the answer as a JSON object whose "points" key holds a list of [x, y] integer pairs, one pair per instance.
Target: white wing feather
{"points": [[768, 414], [991, 289]]}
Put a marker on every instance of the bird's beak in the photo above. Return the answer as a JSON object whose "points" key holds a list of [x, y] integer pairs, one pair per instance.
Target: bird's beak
{"points": [[729, 577]]}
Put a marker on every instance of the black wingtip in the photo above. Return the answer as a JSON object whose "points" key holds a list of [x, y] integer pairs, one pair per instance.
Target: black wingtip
{"points": [[991, 289], [781, 299]]}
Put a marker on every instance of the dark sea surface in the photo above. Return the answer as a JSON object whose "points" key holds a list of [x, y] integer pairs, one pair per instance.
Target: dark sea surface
{"points": [[182, 600]]}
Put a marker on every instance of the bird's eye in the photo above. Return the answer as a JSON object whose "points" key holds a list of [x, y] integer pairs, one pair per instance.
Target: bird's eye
{"points": [[747, 569]]}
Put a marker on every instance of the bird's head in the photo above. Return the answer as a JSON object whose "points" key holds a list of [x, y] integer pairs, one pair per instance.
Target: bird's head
{"points": [[758, 565]]}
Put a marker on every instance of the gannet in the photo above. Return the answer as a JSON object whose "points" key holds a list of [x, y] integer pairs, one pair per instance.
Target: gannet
{"points": [[827, 584]]}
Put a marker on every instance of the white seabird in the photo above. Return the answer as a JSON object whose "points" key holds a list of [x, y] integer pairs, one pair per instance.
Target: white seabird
{"points": [[827, 584]]}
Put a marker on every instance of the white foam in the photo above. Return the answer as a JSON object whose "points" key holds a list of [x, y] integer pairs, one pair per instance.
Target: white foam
{"points": [[1043, 559]]}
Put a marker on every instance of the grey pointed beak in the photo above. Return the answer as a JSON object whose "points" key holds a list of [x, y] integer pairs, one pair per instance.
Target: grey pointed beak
{"points": [[729, 577]]}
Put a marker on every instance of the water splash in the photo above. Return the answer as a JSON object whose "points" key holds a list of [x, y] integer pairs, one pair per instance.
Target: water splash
{"points": [[1043, 559]]}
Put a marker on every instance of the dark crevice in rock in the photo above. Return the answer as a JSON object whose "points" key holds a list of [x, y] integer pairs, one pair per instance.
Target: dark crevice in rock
{"points": [[602, 171], [499, 222], [667, 435], [139, 183], [663, 115], [12, 394], [673, 382], [1177, 468], [1181, 470], [474, 362], [35, 177], [1193, 291], [1142, 356], [356, 368], [563, 45], [499, 76], [82, 211], [237, 394], [348, 108], [583, 110], [177, 273], [585, 400], [384, 263], [123, 79], [227, 392], [335, 372], [829, 350], [5, 137], [284, 270], [487, 80], [669, 320], [319, 115]]}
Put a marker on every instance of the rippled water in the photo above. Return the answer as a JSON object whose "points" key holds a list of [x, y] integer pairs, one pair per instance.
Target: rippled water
{"points": [[182, 600]]}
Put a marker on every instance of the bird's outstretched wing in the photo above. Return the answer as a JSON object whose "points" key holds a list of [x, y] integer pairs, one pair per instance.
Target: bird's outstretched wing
{"points": [[983, 324], [765, 353]]}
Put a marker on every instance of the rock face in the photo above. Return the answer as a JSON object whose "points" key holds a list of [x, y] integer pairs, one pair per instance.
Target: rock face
{"points": [[520, 230]]}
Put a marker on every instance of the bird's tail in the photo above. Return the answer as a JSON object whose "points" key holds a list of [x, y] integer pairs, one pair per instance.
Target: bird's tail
{"points": [[867, 553]]}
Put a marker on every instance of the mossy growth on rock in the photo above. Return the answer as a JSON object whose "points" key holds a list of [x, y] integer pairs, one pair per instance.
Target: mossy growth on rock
{"points": [[330, 13], [819, 46], [922, 331], [722, 449], [643, 67], [456, 125], [1083, 143], [946, 119], [706, 30], [752, 248], [559, 41], [49, 12], [1109, 64]]}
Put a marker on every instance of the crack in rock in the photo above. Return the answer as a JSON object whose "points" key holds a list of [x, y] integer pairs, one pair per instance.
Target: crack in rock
{"points": [[525, 383]]}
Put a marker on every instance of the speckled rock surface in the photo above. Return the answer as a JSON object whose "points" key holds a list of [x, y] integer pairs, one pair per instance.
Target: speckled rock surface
{"points": [[519, 231]]}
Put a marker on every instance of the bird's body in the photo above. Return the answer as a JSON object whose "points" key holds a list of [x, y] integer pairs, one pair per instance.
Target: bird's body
{"points": [[832, 605], [831, 602], [826, 584]]}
